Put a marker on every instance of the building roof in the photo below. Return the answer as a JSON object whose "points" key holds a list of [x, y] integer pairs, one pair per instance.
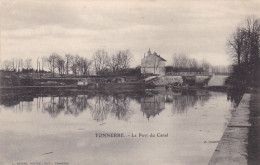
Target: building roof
{"points": [[160, 57], [155, 54]]}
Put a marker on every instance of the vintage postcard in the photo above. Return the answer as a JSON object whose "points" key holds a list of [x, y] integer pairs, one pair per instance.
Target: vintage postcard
{"points": [[109, 82]]}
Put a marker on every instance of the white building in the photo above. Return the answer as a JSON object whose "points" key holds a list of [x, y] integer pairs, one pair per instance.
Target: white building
{"points": [[153, 64]]}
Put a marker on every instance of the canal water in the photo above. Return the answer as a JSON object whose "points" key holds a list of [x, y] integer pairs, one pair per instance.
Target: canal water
{"points": [[154, 127]]}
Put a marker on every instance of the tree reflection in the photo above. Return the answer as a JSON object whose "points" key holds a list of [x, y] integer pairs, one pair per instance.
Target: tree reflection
{"points": [[12, 99], [100, 109], [115, 105], [120, 107], [100, 106], [77, 104], [70, 105], [183, 100], [235, 97], [52, 107]]}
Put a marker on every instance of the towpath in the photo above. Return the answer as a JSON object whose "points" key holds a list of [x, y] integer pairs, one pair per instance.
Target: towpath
{"points": [[240, 143]]}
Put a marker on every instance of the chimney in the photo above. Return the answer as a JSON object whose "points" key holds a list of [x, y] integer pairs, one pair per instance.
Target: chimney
{"points": [[149, 52]]}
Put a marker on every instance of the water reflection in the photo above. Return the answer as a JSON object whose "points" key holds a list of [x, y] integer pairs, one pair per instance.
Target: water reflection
{"points": [[115, 105], [73, 105], [183, 100], [235, 97], [104, 105], [152, 104]]}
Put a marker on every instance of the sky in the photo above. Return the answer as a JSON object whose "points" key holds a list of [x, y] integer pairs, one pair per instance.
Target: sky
{"points": [[198, 28]]}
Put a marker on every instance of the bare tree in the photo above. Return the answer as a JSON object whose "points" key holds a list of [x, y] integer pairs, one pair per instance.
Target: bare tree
{"points": [[193, 64], [253, 37], [205, 66], [75, 65], [60, 65], [243, 45], [11, 64], [52, 62], [244, 48], [100, 61], [44, 62], [7, 65], [176, 61], [113, 63], [235, 45], [120, 61], [180, 61], [28, 63], [84, 66], [68, 62], [19, 64], [185, 63], [124, 59]]}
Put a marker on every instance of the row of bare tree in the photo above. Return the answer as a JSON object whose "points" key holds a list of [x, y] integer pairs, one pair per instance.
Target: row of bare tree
{"points": [[244, 43], [16, 64], [244, 48], [182, 62], [68, 64], [101, 63]]}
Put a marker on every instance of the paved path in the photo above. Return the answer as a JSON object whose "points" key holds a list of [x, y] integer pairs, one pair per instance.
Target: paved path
{"points": [[232, 148]]}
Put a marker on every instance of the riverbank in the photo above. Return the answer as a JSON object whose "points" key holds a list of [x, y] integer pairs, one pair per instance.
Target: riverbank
{"points": [[232, 148], [240, 143]]}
